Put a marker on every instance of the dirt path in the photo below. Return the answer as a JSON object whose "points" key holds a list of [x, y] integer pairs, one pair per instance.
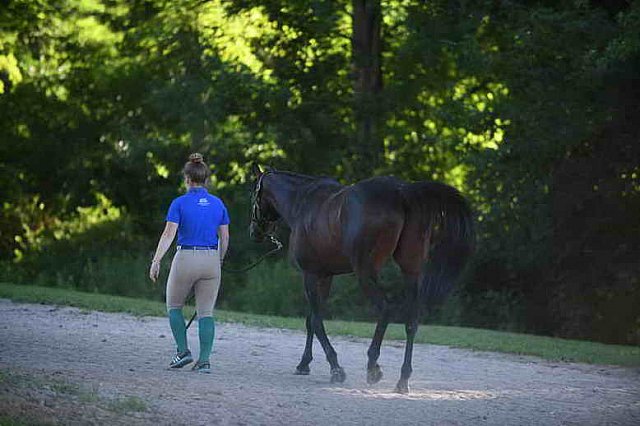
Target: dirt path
{"points": [[63, 365]]}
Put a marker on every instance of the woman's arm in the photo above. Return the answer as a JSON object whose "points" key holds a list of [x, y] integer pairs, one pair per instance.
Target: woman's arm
{"points": [[166, 239], [223, 243]]}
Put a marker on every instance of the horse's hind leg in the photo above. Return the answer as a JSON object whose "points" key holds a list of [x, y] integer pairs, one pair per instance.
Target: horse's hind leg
{"points": [[369, 284], [411, 328], [312, 283], [410, 256], [307, 356], [374, 372], [324, 287], [368, 264]]}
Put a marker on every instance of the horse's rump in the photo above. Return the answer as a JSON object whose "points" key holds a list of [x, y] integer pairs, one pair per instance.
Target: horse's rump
{"points": [[444, 215], [372, 220]]}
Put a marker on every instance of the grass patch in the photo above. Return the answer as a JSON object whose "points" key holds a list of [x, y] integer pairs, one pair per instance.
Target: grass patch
{"points": [[84, 301], [8, 420], [470, 338], [56, 385], [25, 399], [128, 404], [90, 394], [65, 388]]}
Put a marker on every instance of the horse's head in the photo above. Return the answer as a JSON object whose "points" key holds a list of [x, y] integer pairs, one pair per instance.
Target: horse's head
{"points": [[264, 217]]}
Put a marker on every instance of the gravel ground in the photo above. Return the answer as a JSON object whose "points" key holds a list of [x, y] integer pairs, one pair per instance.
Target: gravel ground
{"points": [[68, 366]]}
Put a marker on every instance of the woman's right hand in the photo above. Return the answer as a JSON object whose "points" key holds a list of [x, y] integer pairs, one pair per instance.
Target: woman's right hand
{"points": [[154, 270]]}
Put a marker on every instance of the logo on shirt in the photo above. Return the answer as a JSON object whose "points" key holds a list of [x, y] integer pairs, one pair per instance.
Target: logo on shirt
{"points": [[203, 202]]}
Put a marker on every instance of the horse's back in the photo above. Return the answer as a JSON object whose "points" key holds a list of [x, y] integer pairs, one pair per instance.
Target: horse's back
{"points": [[380, 198]]}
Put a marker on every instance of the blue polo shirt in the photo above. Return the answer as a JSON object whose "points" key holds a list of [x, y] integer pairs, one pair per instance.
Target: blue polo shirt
{"points": [[198, 215]]}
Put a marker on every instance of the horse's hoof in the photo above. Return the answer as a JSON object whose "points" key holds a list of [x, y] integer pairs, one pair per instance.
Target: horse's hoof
{"points": [[302, 371], [402, 387], [374, 375], [338, 375]]}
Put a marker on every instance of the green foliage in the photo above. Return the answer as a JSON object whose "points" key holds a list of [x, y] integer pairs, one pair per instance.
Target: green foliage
{"points": [[96, 251], [498, 310], [44, 229], [272, 289], [276, 288], [529, 107]]}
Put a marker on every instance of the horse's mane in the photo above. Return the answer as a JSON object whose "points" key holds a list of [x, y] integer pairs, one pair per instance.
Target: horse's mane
{"points": [[307, 187], [307, 178]]}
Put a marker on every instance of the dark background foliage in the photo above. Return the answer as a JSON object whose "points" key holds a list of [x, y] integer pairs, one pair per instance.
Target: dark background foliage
{"points": [[531, 108]]}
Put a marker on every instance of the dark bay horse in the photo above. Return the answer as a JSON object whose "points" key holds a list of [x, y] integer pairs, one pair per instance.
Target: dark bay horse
{"points": [[426, 227]]}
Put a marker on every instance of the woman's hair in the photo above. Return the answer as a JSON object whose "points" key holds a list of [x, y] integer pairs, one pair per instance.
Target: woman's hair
{"points": [[196, 169]]}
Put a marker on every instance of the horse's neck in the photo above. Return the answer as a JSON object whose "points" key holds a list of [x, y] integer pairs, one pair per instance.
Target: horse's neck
{"points": [[286, 191]]}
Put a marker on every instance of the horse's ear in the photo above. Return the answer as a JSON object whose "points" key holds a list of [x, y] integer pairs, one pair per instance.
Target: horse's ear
{"points": [[255, 170]]}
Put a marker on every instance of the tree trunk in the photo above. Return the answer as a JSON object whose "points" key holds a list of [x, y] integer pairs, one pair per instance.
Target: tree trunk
{"points": [[368, 151], [196, 116]]}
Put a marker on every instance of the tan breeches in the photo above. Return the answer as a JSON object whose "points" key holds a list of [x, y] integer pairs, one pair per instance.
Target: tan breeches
{"points": [[197, 269]]}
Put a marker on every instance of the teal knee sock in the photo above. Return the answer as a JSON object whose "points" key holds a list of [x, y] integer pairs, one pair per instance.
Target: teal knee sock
{"points": [[178, 328], [206, 332]]}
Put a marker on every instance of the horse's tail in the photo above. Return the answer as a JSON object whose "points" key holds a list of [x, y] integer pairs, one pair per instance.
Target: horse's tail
{"points": [[445, 216]]}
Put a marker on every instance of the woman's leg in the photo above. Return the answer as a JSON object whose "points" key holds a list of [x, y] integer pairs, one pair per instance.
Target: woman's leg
{"points": [[178, 287], [206, 333], [176, 321], [206, 291]]}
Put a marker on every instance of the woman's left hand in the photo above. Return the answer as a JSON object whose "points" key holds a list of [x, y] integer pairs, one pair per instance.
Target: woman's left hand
{"points": [[154, 270]]}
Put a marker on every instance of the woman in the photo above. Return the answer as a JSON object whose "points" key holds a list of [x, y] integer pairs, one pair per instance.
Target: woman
{"points": [[202, 223]]}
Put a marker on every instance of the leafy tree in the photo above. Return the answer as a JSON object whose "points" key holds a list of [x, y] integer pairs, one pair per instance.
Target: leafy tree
{"points": [[528, 106]]}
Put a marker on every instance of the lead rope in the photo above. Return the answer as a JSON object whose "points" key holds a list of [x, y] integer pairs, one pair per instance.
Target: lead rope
{"points": [[274, 240], [278, 247]]}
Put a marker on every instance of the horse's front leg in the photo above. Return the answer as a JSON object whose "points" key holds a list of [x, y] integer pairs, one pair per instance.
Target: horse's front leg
{"points": [[316, 290], [411, 328]]}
